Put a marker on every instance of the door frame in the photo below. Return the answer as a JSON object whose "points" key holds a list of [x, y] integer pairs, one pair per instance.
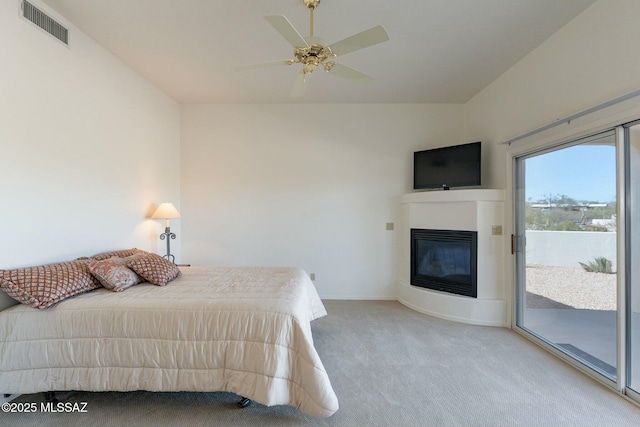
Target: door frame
{"points": [[517, 300], [610, 115]]}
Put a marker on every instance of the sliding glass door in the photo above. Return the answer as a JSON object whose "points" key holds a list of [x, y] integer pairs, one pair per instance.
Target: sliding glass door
{"points": [[566, 245], [632, 250]]}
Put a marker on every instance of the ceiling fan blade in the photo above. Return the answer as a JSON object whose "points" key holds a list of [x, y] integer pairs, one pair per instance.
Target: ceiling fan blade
{"points": [[286, 30], [349, 73], [261, 65], [361, 40], [300, 86]]}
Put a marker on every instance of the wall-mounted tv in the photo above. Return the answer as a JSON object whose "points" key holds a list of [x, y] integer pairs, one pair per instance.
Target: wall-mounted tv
{"points": [[454, 166]]}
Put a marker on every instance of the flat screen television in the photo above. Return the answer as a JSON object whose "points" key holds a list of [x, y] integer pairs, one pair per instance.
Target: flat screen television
{"points": [[445, 167]]}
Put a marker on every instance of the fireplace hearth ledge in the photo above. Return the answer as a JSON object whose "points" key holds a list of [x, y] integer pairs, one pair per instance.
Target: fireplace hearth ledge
{"points": [[451, 307], [472, 210]]}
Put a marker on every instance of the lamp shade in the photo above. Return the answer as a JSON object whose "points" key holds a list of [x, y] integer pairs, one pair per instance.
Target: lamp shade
{"points": [[166, 211]]}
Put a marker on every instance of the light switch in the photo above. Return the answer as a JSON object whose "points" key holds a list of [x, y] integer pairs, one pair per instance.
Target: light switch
{"points": [[389, 226], [496, 230]]}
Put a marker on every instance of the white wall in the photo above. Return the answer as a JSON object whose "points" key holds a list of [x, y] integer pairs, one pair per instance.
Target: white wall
{"points": [[570, 248], [305, 185], [589, 61], [87, 147]]}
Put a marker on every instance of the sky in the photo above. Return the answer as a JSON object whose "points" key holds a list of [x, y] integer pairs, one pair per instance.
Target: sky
{"points": [[582, 172]]}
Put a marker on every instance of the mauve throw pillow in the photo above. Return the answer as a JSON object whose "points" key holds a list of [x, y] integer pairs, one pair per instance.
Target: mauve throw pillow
{"points": [[122, 253], [154, 268], [44, 285]]}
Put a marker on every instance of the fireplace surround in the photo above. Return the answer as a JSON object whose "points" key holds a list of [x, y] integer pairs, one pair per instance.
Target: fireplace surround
{"points": [[476, 210]]}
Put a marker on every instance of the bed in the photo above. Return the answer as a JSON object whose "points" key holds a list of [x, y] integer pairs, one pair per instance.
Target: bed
{"points": [[244, 330]]}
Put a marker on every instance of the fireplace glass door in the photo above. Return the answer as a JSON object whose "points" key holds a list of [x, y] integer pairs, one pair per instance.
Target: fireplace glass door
{"points": [[445, 260]]}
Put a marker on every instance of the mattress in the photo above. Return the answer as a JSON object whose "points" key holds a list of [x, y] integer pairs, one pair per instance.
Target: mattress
{"points": [[244, 330]]}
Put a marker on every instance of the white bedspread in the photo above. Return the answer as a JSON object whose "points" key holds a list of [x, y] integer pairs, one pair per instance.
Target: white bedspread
{"points": [[240, 329]]}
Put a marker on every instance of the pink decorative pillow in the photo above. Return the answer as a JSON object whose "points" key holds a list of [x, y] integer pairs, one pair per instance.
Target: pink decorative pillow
{"points": [[44, 285], [123, 253], [154, 269], [114, 274]]}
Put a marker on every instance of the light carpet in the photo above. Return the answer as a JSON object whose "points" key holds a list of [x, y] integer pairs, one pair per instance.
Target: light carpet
{"points": [[389, 366]]}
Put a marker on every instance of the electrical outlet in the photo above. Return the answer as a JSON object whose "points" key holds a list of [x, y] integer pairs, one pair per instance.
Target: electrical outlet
{"points": [[312, 276]]}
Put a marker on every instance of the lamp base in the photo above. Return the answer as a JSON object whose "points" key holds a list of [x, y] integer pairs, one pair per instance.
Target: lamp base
{"points": [[168, 235]]}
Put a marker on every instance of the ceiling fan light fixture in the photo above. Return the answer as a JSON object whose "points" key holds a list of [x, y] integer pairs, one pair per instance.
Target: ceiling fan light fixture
{"points": [[308, 68], [313, 52], [328, 65]]}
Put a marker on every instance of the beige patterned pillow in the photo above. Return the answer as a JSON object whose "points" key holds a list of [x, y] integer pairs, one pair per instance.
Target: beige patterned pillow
{"points": [[44, 285], [154, 269], [114, 274], [123, 253]]}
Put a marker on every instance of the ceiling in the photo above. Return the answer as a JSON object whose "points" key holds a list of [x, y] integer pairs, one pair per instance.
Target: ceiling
{"points": [[440, 51]]}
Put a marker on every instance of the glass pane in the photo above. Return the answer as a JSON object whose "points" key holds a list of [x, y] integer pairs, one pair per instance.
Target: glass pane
{"points": [[633, 297], [567, 261]]}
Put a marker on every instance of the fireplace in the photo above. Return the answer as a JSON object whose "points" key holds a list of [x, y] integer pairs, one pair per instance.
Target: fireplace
{"points": [[445, 260]]}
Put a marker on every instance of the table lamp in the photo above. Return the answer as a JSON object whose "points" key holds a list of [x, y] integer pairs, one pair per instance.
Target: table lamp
{"points": [[167, 211]]}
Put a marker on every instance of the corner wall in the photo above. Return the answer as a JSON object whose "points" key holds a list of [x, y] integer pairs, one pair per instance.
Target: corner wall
{"points": [[87, 148], [305, 185], [590, 60]]}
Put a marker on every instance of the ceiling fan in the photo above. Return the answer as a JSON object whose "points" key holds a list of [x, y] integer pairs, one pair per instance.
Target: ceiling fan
{"points": [[313, 52]]}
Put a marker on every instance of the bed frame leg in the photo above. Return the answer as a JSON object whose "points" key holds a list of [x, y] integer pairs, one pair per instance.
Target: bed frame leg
{"points": [[50, 396], [244, 402]]}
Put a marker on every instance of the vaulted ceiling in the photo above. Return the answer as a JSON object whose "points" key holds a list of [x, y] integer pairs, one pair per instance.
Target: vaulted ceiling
{"points": [[440, 51]]}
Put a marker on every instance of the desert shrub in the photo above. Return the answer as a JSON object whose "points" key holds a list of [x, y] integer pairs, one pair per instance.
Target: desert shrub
{"points": [[567, 226], [598, 265]]}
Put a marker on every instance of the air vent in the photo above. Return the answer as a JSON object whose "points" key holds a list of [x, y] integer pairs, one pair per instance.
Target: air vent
{"points": [[44, 21]]}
